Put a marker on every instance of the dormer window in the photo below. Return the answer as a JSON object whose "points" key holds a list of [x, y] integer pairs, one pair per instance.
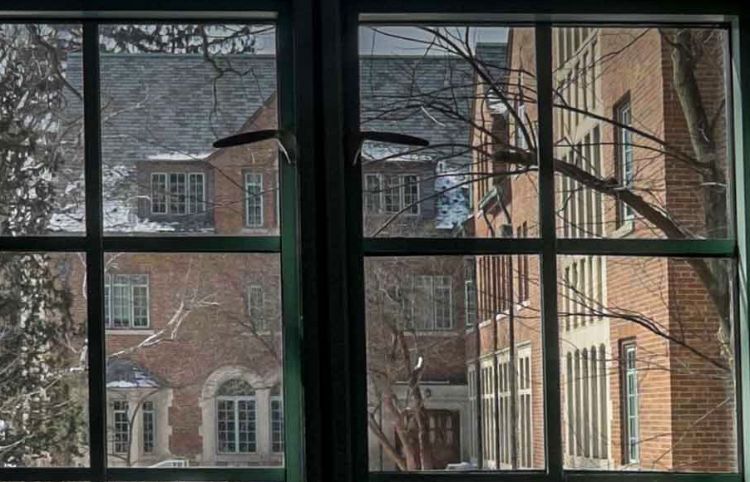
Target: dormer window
{"points": [[178, 193]]}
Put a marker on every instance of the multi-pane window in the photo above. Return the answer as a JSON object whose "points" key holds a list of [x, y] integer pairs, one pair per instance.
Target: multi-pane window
{"points": [[505, 417], [121, 427], [525, 434], [470, 301], [471, 379], [392, 193], [148, 414], [178, 193], [586, 402], [630, 400], [126, 301], [489, 413], [254, 199], [255, 304], [626, 169], [433, 302], [236, 418], [373, 193], [277, 424]]}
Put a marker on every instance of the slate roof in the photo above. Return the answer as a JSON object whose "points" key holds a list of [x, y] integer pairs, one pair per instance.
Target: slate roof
{"points": [[124, 373], [174, 107]]}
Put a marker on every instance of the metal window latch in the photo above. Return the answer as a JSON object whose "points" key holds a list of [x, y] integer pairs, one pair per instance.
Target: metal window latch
{"points": [[387, 137], [285, 139]]}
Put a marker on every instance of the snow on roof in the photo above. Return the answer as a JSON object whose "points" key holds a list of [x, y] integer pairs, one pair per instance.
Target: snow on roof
{"points": [[388, 152], [122, 373], [178, 156], [453, 205]]}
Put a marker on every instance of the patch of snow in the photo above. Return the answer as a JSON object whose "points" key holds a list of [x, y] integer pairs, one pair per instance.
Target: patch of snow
{"points": [[453, 204], [178, 156], [388, 152]]}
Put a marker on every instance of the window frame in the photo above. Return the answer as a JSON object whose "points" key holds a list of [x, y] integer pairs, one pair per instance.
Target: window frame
{"points": [[260, 198], [342, 249], [294, 52], [548, 246], [629, 456]]}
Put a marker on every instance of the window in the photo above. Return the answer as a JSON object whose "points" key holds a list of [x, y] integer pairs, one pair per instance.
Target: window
{"points": [[149, 426], [433, 303], [626, 169], [255, 305], [236, 424], [374, 193], [197, 197], [630, 401], [277, 424], [254, 199], [470, 302], [159, 193], [121, 431], [523, 374], [126, 301], [411, 194], [173, 194]]}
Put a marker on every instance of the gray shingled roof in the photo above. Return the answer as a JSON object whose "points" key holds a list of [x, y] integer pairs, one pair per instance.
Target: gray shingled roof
{"points": [[158, 103]]}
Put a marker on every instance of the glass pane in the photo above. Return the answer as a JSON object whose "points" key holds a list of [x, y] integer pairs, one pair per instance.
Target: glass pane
{"points": [[642, 132], [41, 176], [647, 364], [464, 91], [454, 359], [168, 92], [43, 369], [206, 367]]}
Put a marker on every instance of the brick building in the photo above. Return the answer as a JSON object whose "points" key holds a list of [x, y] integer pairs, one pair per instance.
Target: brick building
{"points": [[646, 373]]}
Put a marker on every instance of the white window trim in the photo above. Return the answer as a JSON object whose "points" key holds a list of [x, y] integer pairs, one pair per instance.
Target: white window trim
{"points": [[109, 282], [631, 457], [235, 399], [190, 193], [165, 193], [624, 148], [403, 204], [260, 199], [275, 399]]}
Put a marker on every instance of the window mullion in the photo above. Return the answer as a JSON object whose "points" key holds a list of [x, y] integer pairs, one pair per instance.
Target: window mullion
{"points": [[553, 432], [94, 253]]}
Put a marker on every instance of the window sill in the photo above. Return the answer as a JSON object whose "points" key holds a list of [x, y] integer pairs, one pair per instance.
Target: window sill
{"points": [[129, 332], [624, 230]]}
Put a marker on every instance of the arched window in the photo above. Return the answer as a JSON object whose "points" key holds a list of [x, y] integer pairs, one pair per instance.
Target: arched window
{"points": [[235, 417]]}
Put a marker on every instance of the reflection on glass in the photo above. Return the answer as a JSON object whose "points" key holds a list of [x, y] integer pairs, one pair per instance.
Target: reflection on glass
{"points": [[454, 363], [641, 132], [41, 176], [194, 360], [43, 371], [168, 92], [647, 356], [474, 99]]}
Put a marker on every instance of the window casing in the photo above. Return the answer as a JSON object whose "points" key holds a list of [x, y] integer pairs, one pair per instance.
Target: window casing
{"points": [[178, 193], [121, 431], [236, 418], [625, 161], [277, 424], [126, 301], [254, 197], [630, 404]]}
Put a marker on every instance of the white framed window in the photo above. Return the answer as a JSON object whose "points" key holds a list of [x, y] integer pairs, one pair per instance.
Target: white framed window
{"points": [[255, 311], [120, 427], [505, 422], [159, 193], [392, 193], [277, 424], [197, 197], [433, 302], [489, 416], [626, 169], [525, 434], [410, 197], [373, 193], [471, 378], [178, 193], [519, 136], [236, 424], [631, 442], [253, 200], [126, 301]]}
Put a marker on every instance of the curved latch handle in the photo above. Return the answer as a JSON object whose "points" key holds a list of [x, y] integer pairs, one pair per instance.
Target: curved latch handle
{"points": [[390, 138], [285, 139]]}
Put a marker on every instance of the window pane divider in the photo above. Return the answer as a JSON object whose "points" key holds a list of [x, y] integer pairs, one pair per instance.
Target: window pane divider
{"points": [[249, 474], [704, 248], [193, 244], [428, 246], [94, 253]]}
